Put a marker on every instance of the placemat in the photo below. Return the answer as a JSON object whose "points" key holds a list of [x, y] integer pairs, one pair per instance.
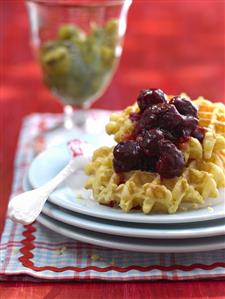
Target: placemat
{"points": [[33, 252]]}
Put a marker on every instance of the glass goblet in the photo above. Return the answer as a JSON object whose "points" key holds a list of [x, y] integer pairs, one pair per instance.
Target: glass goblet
{"points": [[78, 44]]}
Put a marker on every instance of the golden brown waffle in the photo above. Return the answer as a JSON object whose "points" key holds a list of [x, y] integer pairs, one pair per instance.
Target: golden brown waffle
{"points": [[203, 175], [211, 115], [199, 181]]}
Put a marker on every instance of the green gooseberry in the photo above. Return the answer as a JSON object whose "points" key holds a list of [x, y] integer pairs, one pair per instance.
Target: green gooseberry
{"points": [[56, 61], [111, 26], [67, 31], [107, 55]]}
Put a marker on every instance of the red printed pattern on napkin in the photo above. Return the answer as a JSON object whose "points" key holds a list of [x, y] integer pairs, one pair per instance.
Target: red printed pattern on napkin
{"points": [[27, 255]]}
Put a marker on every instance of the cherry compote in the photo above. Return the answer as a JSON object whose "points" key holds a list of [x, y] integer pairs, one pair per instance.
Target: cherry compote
{"points": [[171, 160], [160, 127], [127, 156], [149, 97], [184, 106], [149, 141]]}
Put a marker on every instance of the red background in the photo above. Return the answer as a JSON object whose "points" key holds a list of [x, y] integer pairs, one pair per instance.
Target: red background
{"points": [[177, 45]]}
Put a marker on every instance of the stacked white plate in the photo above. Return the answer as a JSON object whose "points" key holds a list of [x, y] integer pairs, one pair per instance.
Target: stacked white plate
{"points": [[81, 218]]}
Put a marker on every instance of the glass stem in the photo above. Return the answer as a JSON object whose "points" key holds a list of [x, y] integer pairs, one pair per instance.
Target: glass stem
{"points": [[68, 117], [74, 118]]}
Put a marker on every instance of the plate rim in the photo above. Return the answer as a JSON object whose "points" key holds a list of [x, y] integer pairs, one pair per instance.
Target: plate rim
{"points": [[106, 228], [127, 246]]}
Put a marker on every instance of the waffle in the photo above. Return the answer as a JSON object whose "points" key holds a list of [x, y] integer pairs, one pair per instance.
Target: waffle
{"points": [[203, 175], [211, 115], [120, 124]]}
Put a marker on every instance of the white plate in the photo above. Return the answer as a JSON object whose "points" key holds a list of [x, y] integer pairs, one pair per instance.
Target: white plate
{"points": [[132, 244], [126, 243], [175, 231], [158, 231], [49, 163]]}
